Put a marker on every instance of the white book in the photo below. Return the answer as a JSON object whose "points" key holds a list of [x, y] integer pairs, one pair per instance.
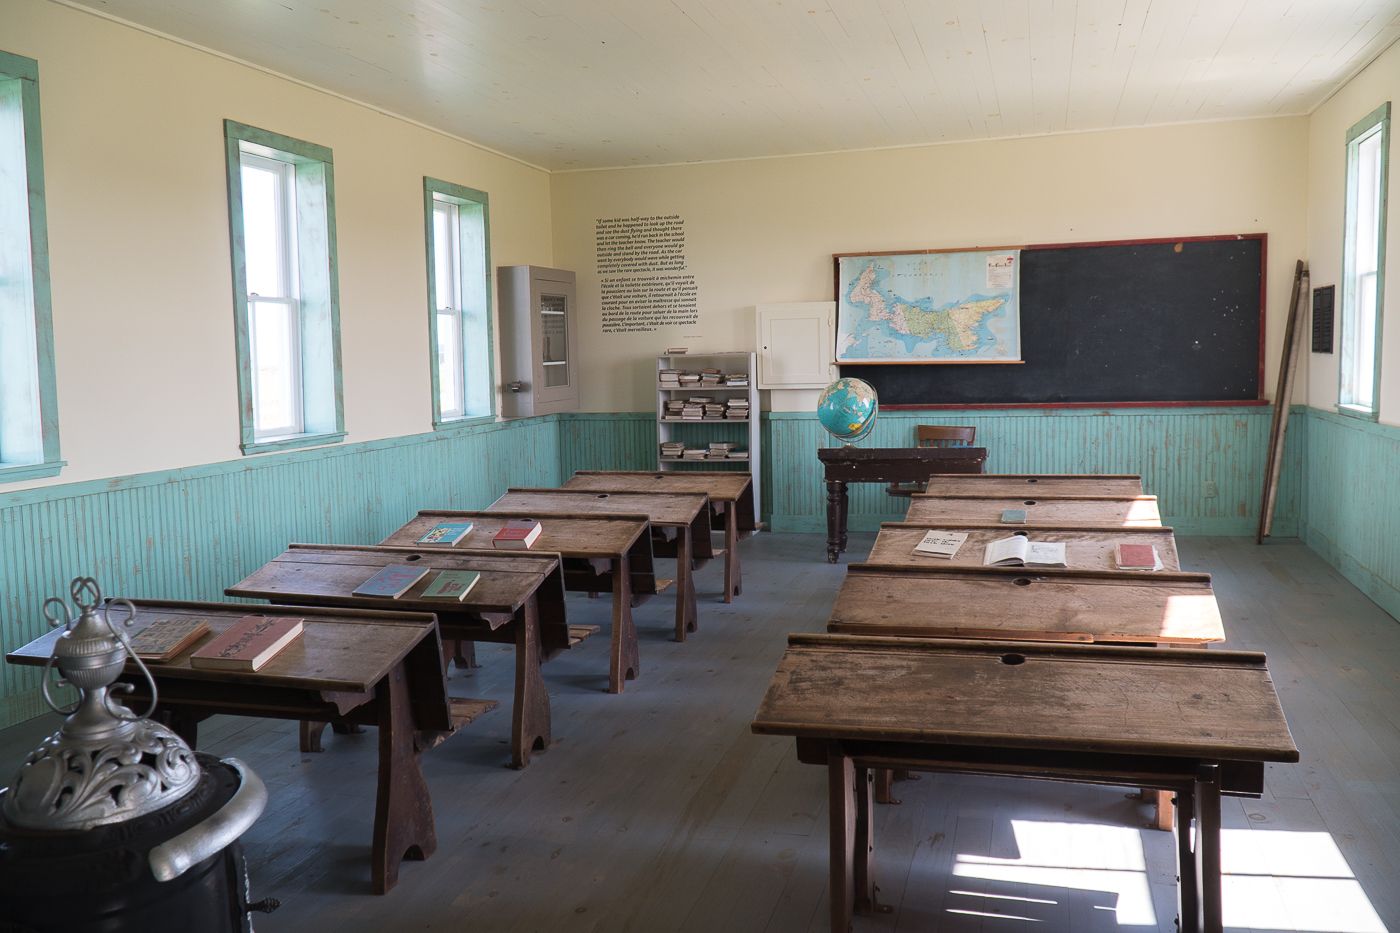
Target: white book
{"points": [[940, 543], [1020, 551]]}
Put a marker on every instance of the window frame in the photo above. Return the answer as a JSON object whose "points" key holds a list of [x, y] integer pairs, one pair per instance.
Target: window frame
{"points": [[1377, 121], [26, 72], [318, 297], [475, 359]]}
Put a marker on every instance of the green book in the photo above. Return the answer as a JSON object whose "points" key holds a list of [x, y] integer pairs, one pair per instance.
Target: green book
{"points": [[1013, 516], [451, 584]]}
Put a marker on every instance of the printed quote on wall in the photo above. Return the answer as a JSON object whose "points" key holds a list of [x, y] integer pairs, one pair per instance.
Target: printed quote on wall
{"points": [[641, 268]]}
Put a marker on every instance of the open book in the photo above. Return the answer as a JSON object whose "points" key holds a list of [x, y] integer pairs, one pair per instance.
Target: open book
{"points": [[940, 543], [1020, 551]]}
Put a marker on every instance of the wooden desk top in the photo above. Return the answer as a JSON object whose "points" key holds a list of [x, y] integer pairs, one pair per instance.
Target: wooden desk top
{"points": [[721, 486], [1087, 547], [1041, 511], [569, 534], [328, 573], [662, 508], [1037, 605], [1217, 705], [340, 650], [1018, 484]]}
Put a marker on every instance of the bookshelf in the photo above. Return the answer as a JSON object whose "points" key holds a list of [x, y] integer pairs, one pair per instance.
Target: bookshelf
{"points": [[699, 433]]}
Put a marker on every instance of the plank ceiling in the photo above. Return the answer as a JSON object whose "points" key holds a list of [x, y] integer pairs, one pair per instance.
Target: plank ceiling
{"points": [[572, 84]]}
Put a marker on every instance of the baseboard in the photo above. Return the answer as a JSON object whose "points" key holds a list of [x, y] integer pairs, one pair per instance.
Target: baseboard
{"points": [[1380, 592]]}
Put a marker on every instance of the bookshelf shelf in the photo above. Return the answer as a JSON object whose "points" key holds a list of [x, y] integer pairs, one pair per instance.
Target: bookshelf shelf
{"points": [[745, 432]]}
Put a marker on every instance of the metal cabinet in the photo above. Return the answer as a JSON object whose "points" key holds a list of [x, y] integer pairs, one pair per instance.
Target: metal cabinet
{"points": [[539, 341]]}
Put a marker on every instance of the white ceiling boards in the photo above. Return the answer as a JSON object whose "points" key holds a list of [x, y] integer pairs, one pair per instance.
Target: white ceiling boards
{"points": [[573, 84]]}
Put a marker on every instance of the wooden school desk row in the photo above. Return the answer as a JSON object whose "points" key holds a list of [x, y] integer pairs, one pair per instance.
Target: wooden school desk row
{"points": [[366, 661], [897, 686]]}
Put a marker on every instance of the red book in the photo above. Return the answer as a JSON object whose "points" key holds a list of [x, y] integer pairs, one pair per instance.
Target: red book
{"points": [[1137, 557], [517, 534], [248, 644]]}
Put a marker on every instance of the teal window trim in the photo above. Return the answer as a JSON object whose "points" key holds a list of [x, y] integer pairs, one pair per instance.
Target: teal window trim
{"points": [[323, 392], [478, 351], [26, 72], [1380, 117]]}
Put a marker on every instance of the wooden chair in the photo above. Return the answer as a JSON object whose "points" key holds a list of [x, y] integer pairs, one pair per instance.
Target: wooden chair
{"points": [[933, 435]]}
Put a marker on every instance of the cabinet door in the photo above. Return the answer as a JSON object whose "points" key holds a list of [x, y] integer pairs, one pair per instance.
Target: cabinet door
{"points": [[553, 323], [796, 345]]}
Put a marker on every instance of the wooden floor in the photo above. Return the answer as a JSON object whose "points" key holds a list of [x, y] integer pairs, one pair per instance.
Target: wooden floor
{"points": [[657, 810]]}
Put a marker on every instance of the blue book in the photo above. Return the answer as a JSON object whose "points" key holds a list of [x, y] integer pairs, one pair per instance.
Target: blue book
{"points": [[391, 582], [446, 533], [1013, 516]]}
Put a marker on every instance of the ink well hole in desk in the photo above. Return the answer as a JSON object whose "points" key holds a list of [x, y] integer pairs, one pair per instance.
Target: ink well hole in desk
{"points": [[1013, 659], [414, 557], [602, 495], [1028, 502], [1032, 480], [1022, 581], [1019, 534]]}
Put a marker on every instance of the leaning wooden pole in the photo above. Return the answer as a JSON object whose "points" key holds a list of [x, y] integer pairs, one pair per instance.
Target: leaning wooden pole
{"points": [[1283, 401]]}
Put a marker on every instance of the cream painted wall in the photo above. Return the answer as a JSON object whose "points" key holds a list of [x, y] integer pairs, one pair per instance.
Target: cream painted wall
{"points": [[1378, 83], [138, 232], [763, 231]]}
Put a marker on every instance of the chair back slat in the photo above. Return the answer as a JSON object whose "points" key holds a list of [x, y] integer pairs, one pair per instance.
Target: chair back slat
{"points": [[939, 435]]}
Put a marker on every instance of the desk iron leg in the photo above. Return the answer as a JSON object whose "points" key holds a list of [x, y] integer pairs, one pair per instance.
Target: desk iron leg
{"points": [[841, 802], [624, 659], [835, 525], [403, 810], [1188, 888], [529, 728], [1207, 811]]}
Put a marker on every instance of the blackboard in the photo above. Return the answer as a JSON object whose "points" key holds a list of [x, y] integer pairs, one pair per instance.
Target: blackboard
{"points": [[1134, 321]]}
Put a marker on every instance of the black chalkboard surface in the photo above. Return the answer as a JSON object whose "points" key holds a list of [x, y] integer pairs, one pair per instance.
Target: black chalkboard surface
{"points": [[1158, 321]]}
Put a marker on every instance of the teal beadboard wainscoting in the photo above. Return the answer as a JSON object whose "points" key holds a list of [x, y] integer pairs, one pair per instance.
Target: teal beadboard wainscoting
{"points": [[187, 534]]}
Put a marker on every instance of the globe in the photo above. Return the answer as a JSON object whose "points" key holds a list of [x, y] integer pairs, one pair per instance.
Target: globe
{"points": [[847, 409]]}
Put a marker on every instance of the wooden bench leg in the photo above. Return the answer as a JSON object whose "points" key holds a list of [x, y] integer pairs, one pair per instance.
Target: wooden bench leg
{"points": [[1188, 900], [733, 578], [687, 615], [459, 651], [863, 847], [309, 735], [1207, 811], [883, 779], [529, 728], [624, 658], [403, 809], [841, 802]]}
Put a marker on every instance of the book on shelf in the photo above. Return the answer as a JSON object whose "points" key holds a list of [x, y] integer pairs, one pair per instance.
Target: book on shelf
{"points": [[675, 351], [248, 644], [448, 533], [1020, 551], [940, 544], [1136, 557], [452, 584], [163, 639], [695, 453], [391, 582], [738, 455], [518, 534], [1013, 516]]}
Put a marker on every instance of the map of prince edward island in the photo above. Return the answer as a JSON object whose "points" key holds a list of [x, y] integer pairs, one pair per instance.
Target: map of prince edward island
{"points": [[930, 307]]}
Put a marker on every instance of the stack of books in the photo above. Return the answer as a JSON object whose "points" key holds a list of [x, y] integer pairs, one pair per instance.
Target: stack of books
{"points": [[689, 379], [697, 453], [737, 380], [671, 449], [719, 450], [714, 409], [737, 409], [674, 409], [693, 411], [738, 455], [671, 378], [710, 377]]}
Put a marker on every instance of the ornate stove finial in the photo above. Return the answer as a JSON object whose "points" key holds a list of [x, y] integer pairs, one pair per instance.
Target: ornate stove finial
{"points": [[105, 765]]}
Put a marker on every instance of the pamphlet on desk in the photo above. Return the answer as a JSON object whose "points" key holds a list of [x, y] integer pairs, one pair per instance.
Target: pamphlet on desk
{"points": [[163, 639], [446, 533], [248, 644], [943, 544], [451, 584], [1020, 551], [1013, 516], [391, 582]]}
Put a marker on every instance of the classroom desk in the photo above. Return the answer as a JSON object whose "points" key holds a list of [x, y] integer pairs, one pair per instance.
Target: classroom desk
{"points": [[1087, 547], [518, 600], [1041, 511], [843, 465], [731, 503], [680, 527], [601, 553], [351, 667], [1200, 724], [1044, 484]]}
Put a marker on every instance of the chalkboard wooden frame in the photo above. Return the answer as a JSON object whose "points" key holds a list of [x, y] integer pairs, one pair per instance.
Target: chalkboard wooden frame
{"points": [[1263, 289]]}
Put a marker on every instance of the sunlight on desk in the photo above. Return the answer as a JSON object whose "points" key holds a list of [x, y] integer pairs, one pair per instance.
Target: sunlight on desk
{"points": [[1273, 879]]}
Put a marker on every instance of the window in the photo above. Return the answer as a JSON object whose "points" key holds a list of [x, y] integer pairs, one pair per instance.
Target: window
{"points": [[286, 298], [1363, 262], [459, 291], [28, 400]]}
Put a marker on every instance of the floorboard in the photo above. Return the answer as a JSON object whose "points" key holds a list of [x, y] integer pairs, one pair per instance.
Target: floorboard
{"points": [[657, 811]]}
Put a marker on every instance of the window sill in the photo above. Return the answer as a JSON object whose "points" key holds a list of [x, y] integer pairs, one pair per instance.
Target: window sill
{"points": [[471, 421], [23, 471], [294, 442], [1360, 414]]}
